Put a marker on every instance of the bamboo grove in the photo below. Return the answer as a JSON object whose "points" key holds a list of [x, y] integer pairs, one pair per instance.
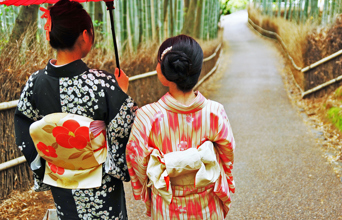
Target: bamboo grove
{"points": [[300, 11], [136, 21]]}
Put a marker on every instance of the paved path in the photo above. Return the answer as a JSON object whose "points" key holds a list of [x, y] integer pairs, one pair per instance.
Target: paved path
{"points": [[279, 172]]}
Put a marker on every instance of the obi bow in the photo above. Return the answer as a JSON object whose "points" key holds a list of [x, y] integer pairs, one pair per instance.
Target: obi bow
{"points": [[192, 166]]}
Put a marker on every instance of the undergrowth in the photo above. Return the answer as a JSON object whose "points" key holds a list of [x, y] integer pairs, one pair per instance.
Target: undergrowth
{"points": [[335, 116]]}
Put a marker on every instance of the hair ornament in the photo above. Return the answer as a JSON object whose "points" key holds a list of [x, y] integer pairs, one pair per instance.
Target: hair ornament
{"points": [[168, 49], [47, 26]]}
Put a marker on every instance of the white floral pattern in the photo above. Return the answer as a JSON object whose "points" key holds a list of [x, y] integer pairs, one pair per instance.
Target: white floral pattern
{"points": [[80, 94], [24, 104], [90, 202], [119, 129]]}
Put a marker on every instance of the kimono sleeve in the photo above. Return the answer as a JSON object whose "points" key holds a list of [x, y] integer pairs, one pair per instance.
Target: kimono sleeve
{"points": [[118, 131], [225, 145], [138, 154], [25, 114]]}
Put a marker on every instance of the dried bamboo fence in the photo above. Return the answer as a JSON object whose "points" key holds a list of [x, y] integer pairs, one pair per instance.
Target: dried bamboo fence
{"points": [[15, 174], [321, 77]]}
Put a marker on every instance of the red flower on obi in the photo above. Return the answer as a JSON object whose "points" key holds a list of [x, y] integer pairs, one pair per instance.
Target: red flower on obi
{"points": [[47, 150], [56, 169], [71, 135]]}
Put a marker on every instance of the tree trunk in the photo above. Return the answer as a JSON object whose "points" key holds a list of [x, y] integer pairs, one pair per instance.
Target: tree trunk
{"points": [[27, 17], [189, 22]]}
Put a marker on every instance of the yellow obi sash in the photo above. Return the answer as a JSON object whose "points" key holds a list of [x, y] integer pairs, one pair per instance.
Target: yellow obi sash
{"points": [[197, 167], [74, 148]]}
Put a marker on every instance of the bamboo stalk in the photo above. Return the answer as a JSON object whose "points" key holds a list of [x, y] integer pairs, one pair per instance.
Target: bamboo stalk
{"points": [[321, 86], [8, 105], [12, 163]]}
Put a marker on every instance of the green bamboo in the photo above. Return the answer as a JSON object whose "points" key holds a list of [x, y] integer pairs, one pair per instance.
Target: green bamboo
{"points": [[205, 13], [285, 9], [153, 20], [314, 9], [270, 8], [325, 12], [161, 20], [306, 8], [198, 21], [180, 16], [332, 11], [290, 11], [301, 11], [279, 8], [166, 19], [171, 18], [149, 20], [264, 6]]}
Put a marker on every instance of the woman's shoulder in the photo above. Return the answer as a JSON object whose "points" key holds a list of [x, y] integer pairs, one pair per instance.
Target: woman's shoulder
{"points": [[214, 104], [149, 110]]}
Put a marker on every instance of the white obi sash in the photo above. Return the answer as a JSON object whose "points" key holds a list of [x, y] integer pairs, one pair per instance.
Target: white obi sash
{"points": [[192, 166], [74, 148]]}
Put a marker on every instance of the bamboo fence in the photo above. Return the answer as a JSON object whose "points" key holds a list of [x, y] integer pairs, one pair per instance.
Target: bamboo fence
{"points": [[307, 68]]}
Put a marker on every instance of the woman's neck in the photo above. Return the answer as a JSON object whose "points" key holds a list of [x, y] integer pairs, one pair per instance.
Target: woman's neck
{"points": [[185, 98], [66, 56]]}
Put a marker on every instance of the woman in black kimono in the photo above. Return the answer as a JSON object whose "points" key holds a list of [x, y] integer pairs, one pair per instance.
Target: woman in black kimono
{"points": [[67, 85]]}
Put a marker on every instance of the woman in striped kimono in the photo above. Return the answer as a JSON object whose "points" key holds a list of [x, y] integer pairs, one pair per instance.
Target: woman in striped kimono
{"points": [[181, 149]]}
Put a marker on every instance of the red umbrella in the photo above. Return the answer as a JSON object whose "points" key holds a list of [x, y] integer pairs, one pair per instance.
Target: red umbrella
{"points": [[109, 4]]}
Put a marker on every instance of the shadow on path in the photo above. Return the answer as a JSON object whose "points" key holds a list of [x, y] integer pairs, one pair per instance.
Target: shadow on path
{"points": [[279, 171]]}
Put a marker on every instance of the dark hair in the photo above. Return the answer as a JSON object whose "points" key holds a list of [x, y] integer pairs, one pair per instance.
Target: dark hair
{"points": [[68, 21], [183, 63]]}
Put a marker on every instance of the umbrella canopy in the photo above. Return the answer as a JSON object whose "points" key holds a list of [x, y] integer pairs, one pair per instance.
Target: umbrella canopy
{"points": [[36, 2], [109, 3]]}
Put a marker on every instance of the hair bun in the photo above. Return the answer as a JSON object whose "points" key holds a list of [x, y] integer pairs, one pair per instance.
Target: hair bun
{"points": [[180, 63], [183, 63]]}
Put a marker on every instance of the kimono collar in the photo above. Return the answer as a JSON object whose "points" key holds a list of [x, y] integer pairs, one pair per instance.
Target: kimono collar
{"points": [[171, 104], [74, 68]]}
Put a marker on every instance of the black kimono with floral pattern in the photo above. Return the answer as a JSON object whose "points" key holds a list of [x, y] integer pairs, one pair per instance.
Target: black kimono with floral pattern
{"points": [[74, 88]]}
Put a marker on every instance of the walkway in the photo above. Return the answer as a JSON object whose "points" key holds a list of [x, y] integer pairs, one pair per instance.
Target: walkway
{"points": [[279, 172]]}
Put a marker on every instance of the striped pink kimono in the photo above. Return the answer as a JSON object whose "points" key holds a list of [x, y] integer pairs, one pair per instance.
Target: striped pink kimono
{"points": [[170, 126]]}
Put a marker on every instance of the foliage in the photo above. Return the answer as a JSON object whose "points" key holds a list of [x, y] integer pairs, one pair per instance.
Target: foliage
{"points": [[231, 6], [335, 116]]}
